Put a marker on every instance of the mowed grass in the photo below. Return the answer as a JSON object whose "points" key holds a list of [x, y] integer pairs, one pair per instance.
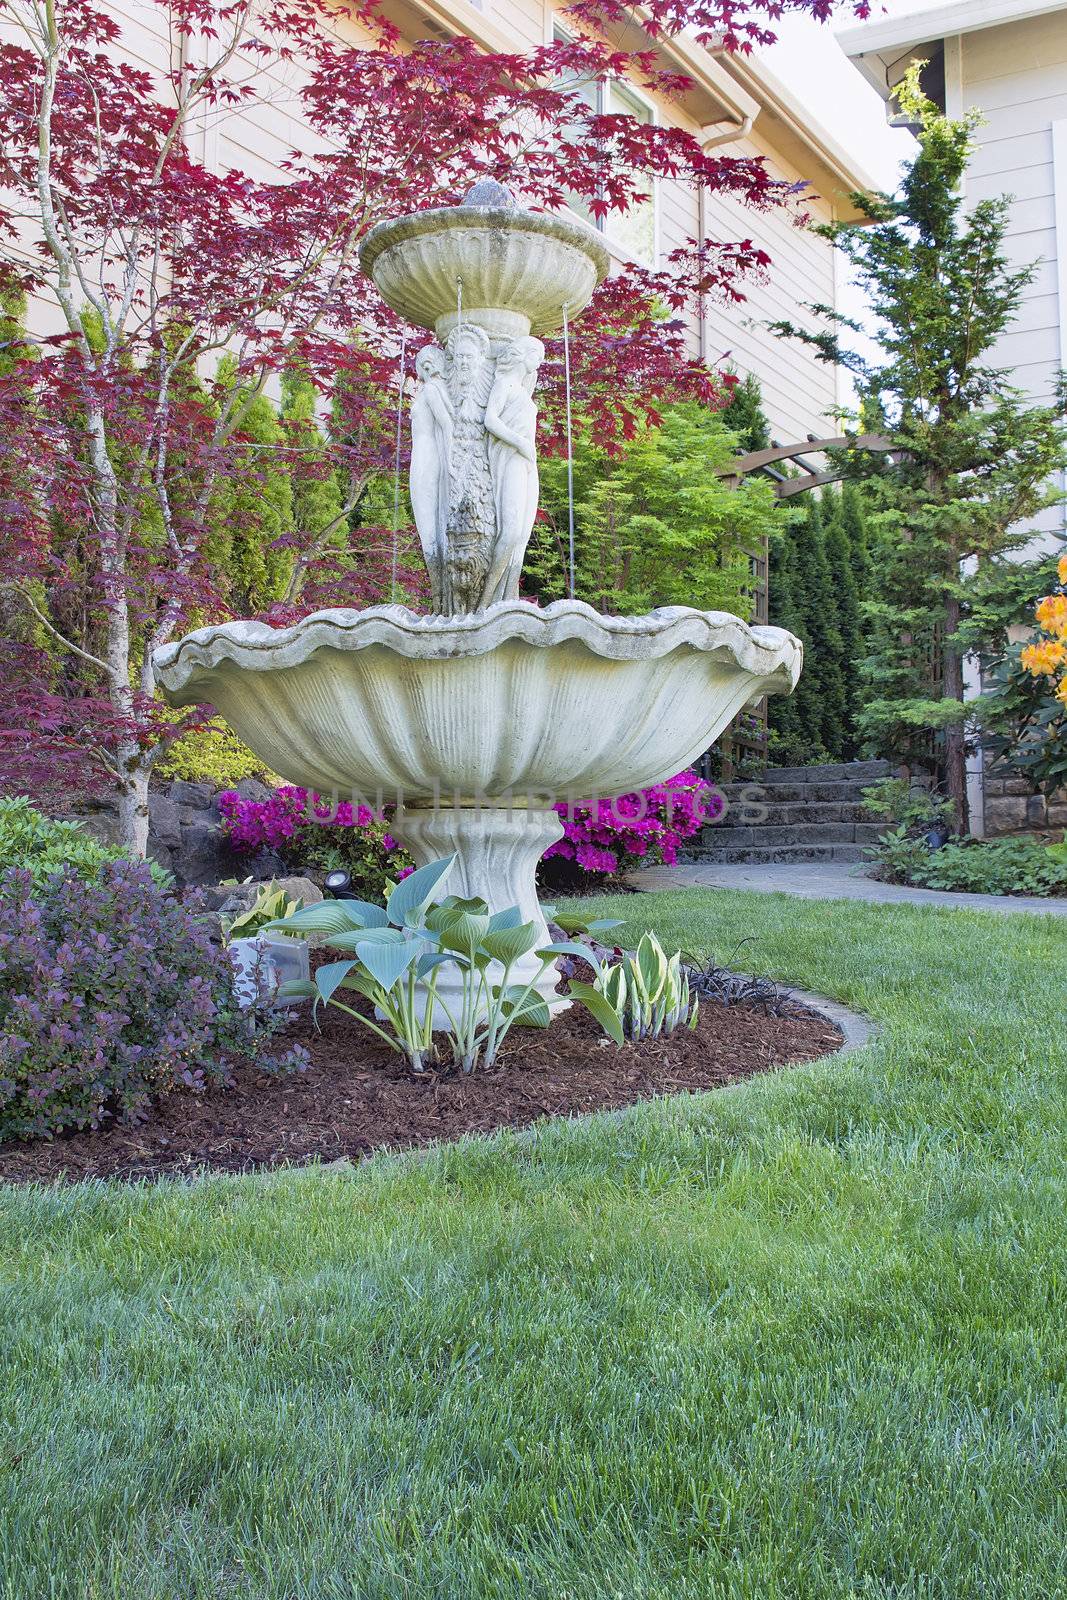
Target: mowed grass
{"points": [[800, 1338]]}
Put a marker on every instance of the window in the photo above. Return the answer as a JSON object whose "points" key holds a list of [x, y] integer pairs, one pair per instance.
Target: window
{"points": [[633, 231]]}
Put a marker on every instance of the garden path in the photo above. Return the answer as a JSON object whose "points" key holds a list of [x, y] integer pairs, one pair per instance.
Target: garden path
{"points": [[828, 881]]}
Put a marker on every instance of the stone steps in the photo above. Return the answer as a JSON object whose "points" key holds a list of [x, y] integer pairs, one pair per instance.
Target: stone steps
{"points": [[780, 855], [795, 814], [858, 772]]}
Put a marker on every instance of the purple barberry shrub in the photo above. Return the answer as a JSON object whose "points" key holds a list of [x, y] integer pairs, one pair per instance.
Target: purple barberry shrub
{"points": [[112, 993]]}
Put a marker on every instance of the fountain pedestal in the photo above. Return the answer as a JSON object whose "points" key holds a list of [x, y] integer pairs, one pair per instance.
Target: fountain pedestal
{"points": [[497, 849]]}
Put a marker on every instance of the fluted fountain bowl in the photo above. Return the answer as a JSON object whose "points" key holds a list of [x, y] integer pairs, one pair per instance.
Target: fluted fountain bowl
{"points": [[514, 269], [508, 702], [473, 727]]}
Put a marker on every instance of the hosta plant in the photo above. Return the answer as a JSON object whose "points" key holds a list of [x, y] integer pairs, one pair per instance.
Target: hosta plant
{"points": [[272, 907], [643, 996], [394, 954]]}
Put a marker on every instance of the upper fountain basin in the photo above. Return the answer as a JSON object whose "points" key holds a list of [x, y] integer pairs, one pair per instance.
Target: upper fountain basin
{"points": [[517, 268], [514, 700]]}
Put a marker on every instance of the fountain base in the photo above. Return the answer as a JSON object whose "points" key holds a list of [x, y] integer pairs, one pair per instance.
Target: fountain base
{"points": [[497, 849]]}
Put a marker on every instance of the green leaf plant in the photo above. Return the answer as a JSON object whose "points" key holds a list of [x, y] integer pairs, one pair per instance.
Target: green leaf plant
{"points": [[643, 996], [394, 955], [272, 908]]}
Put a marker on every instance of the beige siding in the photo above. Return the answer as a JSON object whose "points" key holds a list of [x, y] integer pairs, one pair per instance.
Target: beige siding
{"points": [[799, 393], [1016, 76]]}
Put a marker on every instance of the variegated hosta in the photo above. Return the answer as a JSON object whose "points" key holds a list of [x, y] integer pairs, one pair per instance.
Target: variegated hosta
{"points": [[272, 908], [642, 996], [394, 953]]}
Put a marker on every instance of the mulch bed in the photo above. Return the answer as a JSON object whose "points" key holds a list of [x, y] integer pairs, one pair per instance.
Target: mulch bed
{"points": [[357, 1097]]}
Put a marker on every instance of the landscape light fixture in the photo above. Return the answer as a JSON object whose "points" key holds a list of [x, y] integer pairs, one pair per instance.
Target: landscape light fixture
{"points": [[338, 885]]}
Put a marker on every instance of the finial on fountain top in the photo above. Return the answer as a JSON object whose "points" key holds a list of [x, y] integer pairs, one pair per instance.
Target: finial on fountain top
{"points": [[492, 195]]}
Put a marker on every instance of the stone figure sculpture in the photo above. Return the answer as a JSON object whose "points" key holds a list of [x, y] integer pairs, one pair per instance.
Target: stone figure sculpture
{"points": [[511, 425], [432, 424], [474, 478]]}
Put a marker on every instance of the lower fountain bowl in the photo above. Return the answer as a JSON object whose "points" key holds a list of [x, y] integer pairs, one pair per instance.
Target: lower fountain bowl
{"points": [[508, 703]]}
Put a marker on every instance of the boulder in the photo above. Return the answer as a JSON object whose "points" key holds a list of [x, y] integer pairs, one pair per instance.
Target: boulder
{"points": [[298, 888], [192, 796], [164, 821], [242, 896], [100, 823], [162, 857], [205, 856], [267, 864], [251, 789]]}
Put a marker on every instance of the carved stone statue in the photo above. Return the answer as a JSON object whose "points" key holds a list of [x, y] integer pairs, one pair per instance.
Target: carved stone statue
{"points": [[432, 424], [511, 424], [474, 465]]}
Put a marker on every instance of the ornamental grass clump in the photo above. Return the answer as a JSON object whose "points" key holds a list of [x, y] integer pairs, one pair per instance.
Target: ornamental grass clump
{"points": [[111, 994]]}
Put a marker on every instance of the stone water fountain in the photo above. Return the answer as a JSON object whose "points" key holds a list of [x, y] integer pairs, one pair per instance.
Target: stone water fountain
{"points": [[478, 717]]}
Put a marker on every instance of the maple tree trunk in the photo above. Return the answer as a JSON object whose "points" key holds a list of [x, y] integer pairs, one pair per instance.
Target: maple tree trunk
{"points": [[133, 803], [955, 746]]}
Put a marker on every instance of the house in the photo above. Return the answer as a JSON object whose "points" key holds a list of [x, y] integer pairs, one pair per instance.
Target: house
{"points": [[735, 103], [1008, 60]]}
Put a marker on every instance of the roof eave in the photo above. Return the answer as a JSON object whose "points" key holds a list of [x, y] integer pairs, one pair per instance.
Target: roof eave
{"points": [[917, 28]]}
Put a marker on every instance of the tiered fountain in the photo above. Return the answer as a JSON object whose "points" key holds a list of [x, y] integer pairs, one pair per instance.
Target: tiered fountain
{"points": [[480, 716]]}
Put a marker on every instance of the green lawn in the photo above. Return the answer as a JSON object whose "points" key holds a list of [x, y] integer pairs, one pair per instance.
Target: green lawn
{"points": [[803, 1337]]}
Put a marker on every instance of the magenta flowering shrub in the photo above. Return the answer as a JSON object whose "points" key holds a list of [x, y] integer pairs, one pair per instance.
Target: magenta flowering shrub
{"points": [[111, 993], [644, 827], [308, 831]]}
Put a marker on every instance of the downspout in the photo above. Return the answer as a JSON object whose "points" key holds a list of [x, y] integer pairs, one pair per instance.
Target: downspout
{"points": [[710, 140]]}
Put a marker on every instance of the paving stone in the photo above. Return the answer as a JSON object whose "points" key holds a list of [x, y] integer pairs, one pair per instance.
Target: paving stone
{"points": [[718, 835], [787, 816], [1004, 814], [1036, 810], [807, 833], [829, 879], [831, 771]]}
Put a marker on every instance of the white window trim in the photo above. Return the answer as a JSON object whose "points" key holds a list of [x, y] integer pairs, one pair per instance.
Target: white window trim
{"points": [[553, 30]]}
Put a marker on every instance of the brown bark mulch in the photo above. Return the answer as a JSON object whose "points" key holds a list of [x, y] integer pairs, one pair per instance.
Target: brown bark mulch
{"points": [[357, 1096]]}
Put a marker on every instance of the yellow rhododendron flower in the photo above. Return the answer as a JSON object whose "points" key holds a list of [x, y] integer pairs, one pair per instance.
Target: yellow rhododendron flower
{"points": [[1044, 659], [1052, 614], [1047, 658]]}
